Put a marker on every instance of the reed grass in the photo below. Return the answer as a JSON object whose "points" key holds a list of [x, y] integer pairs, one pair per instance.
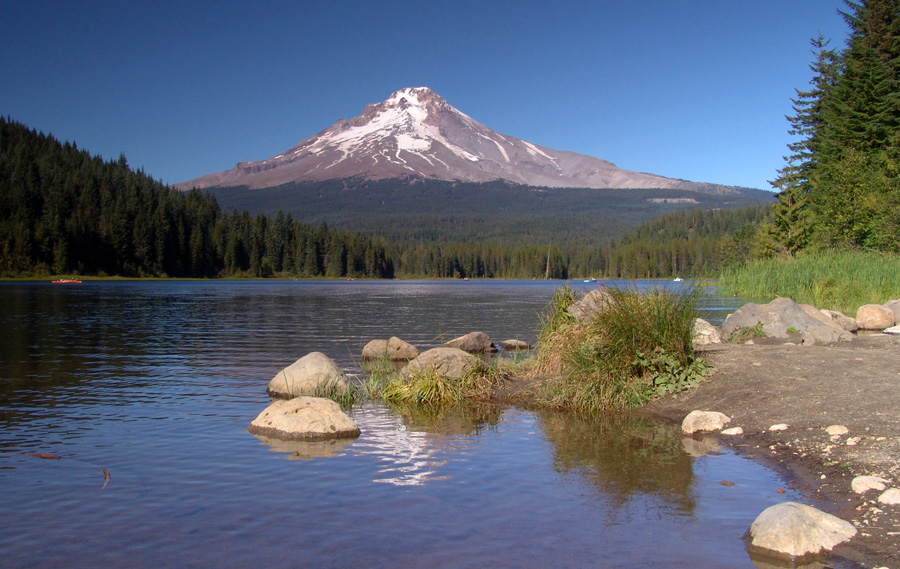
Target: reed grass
{"points": [[836, 280], [638, 347]]}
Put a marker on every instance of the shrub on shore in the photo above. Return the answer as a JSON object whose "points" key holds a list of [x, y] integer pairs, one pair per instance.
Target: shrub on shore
{"points": [[638, 347], [836, 280]]}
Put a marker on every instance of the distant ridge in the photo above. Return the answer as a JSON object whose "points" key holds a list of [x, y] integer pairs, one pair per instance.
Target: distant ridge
{"points": [[415, 133]]}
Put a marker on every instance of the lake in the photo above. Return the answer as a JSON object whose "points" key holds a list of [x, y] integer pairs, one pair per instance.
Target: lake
{"points": [[144, 391]]}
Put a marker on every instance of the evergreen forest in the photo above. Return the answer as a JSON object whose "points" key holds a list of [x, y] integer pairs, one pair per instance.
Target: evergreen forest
{"points": [[63, 211], [840, 185]]}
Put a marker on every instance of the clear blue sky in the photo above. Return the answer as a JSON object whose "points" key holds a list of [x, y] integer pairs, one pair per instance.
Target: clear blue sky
{"points": [[693, 89]]}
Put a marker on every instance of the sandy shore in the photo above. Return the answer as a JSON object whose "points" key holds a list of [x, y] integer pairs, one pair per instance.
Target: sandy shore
{"points": [[808, 388]]}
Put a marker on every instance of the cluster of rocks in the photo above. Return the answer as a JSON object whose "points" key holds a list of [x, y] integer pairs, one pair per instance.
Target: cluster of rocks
{"points": [[396, 349], [790, 530], [783, 317], [301, 414]]}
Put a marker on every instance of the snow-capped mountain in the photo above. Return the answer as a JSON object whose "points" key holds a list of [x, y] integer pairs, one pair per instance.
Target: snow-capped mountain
{"points": [[417, 133]]}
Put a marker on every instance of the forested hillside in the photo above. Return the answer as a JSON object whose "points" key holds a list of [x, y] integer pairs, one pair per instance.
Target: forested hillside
{"points": [[63, 211]]}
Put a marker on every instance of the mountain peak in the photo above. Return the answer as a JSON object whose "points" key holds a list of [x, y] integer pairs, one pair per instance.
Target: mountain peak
{"points": [[416, 133]]}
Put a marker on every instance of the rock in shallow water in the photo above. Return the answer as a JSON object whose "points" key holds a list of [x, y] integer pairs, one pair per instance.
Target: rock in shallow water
{"points": [[312, 374], [791, 530], [304, 418], [697, 421]]}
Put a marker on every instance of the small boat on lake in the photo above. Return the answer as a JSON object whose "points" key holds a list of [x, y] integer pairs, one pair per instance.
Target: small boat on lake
{"points": [[66, 281], [678, 280]]}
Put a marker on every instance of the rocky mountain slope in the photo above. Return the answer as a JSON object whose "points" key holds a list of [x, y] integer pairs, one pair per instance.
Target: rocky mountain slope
{"points": [[416, 133]]}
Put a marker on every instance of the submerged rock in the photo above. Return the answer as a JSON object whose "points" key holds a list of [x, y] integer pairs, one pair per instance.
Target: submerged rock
{"points": [[697, 421], [451, 363], [514, 345], [312, 374], [793, 531], [304, 418]]}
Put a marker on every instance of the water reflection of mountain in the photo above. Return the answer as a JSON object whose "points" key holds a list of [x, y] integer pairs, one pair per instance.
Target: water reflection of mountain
{"points": [[413, 446], [625, 456]]}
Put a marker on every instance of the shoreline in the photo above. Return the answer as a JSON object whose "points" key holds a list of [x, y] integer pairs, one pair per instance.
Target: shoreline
{"points": [[810, 388]]}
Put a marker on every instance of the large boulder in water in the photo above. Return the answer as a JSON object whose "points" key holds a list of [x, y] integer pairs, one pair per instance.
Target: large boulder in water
{"points": [[778, 318], [313, 374], [793, 531], [451, 363], [304, 418], [473, 342], [595, 301]]}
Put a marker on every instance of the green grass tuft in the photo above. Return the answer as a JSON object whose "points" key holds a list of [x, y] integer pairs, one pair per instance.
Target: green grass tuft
{"points": [[639, 347]]}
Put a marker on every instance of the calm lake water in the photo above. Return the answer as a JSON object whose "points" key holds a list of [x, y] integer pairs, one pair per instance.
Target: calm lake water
{"points": [[154, 383]]}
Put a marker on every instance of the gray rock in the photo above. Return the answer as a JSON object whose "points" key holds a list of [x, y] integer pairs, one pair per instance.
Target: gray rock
{"points": [[705, 333], [312, 374], [514, 345], [874, 317], [473, 342], [304, 418], [398, 350], [894, 306], [836, 430], [890, 497], [733, 431], [843, 321], [595, 301], [375, 350], [451, 363], [892, 330], [697, 421], [862, 484], [779, 316], [791, 530], [393, 349]]}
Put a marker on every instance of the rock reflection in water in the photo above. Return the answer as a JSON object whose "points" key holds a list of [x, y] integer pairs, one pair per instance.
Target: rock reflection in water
{"points": [[306, 450], [624, 455], [413, 444]]}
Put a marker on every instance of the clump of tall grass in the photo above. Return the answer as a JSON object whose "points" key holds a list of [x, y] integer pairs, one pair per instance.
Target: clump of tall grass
{"points": [[836, 280], [431, 388], [638, 347], [345, 396]]}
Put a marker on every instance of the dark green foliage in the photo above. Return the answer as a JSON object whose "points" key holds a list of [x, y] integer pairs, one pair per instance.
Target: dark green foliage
{"points": [[64, 211], [841, 184], [792, 224]]}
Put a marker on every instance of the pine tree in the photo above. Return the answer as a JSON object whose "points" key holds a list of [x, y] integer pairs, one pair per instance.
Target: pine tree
{"points": [[791, 228], [860, 144]]}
